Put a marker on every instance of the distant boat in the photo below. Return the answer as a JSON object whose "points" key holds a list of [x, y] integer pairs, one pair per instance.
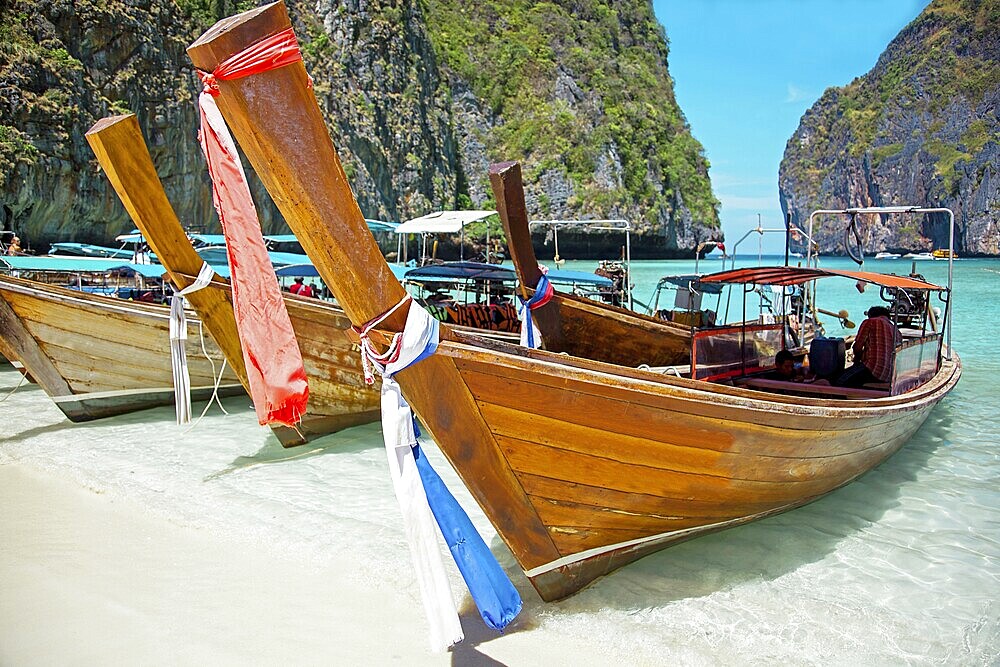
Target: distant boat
{"points": [[918, 255], [887, 255], [944, 253]]}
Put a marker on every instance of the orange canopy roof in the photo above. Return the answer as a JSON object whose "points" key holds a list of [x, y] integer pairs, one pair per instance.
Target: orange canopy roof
{"points": [[793, 275]]}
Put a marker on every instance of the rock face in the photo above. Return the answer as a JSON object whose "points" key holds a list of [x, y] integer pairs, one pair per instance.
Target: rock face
{"points": [[921, 128], [597, 130]]}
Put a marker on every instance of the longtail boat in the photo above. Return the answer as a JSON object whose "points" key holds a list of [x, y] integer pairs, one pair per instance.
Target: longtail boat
{"points": [[582, 466], [339, 397], [576, 325], [97, 356]]}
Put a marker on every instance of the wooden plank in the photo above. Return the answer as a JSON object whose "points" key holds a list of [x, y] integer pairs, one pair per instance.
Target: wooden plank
{"points": [[22, 345], [543, 487], [678, 422], [800, 388]]}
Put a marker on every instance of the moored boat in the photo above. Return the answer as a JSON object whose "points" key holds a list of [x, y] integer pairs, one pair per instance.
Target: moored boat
{"points": [[887, 255], [339, 397], [944, 253], [581, 465], [97, 356], [571, 324]]}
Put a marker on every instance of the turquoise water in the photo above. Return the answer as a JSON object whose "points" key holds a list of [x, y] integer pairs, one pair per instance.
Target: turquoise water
{"points": [[900, 567]]}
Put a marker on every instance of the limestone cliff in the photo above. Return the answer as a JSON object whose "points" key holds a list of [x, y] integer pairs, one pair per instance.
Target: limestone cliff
{"points": [[598, 129], [922, 127]]}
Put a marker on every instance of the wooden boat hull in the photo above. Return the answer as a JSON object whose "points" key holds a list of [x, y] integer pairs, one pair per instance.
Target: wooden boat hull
{"points": [[581, 466], [684, 458], [97, 356]]}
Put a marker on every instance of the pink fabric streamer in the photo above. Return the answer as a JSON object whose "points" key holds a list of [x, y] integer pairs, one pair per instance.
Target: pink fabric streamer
{"points": [[274, 366]]}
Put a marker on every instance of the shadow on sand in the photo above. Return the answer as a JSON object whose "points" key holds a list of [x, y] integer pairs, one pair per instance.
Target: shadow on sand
{"points": [[348, 441]]}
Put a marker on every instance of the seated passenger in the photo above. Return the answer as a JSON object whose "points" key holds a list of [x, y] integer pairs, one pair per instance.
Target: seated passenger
{"points": [[874, 350], [784, 368]]}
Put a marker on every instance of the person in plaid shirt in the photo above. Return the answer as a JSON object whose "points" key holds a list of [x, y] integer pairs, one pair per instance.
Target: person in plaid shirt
{"points": [[874, 350]]}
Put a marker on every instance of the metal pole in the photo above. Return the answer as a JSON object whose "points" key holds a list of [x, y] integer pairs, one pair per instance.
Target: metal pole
{"points": [[951, 269], [788, 234], [628, 267]]}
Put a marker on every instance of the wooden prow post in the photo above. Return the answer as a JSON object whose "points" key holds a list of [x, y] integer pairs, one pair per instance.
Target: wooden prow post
{"points": [[508, 189], [277, 122], [121, 150]]}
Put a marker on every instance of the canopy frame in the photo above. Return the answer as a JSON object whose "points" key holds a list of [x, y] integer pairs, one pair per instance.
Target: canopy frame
{"points": [[904, 210]]}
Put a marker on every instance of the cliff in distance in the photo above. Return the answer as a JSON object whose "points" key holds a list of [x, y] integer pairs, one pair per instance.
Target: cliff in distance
{"points": [[921, 128], [420, 97]]}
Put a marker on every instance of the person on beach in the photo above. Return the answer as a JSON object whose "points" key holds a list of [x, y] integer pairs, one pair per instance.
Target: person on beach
{"points": [[874, 350]]}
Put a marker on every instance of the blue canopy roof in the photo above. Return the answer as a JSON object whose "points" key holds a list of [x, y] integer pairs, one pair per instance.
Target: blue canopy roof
{"points": [[208, 239], [461, 271], [373, 225], [692, 280], [216, 256], [88, 250], [568, 277], [307, 270], [68, 264]]}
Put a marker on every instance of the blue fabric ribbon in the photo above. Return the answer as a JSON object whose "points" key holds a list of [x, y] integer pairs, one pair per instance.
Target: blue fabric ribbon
{"points": [[542, 290], [494, 594]]}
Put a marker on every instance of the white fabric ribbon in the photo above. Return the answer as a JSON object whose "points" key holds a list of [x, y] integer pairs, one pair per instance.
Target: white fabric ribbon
{"points": [[418, 340], [178, 338], [524, 314]]}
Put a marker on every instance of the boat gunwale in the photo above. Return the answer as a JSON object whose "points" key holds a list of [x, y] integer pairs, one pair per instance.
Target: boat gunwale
{"points": [[470, 346]]}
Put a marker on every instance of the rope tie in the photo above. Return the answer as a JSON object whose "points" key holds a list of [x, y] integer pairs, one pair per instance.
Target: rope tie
{"points": [[371, 360], [272, 52]]}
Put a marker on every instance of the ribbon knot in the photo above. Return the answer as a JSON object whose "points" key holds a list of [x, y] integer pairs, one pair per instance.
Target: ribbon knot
{"points": [[543, 293], [371, 360], [210, 84]]}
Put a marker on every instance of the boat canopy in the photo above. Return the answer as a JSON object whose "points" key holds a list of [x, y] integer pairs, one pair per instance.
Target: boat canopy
{"points": [[57, 264], [217, 255], [568, 277], [496, 272], [135, 236], [791, 275], [307, 270], [88, 250], [444, 222], [691, 281], [462, 271], [373, 225]]}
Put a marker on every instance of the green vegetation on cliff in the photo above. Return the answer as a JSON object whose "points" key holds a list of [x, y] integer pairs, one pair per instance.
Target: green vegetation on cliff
{"points": [[938, 61], [578, 87]]}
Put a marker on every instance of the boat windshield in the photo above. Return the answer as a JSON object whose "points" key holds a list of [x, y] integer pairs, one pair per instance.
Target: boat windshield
{"points": [[724, 352]]}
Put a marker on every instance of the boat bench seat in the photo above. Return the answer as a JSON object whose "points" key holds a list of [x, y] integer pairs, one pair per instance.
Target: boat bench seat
{"points": [[814, 389]]}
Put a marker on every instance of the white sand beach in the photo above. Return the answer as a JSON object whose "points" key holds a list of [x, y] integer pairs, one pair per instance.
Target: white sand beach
{"points": [[92, 579], [133, 541]]}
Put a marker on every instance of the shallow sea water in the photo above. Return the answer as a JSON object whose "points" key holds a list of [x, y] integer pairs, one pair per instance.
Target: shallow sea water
{"points": [[900, 567]]}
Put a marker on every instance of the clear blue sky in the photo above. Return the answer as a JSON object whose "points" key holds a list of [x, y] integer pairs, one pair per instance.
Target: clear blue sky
{"points": [[746, 70]]}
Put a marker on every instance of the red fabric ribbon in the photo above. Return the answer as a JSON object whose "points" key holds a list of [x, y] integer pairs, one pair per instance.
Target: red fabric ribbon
{"points": [[274, 366]]}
